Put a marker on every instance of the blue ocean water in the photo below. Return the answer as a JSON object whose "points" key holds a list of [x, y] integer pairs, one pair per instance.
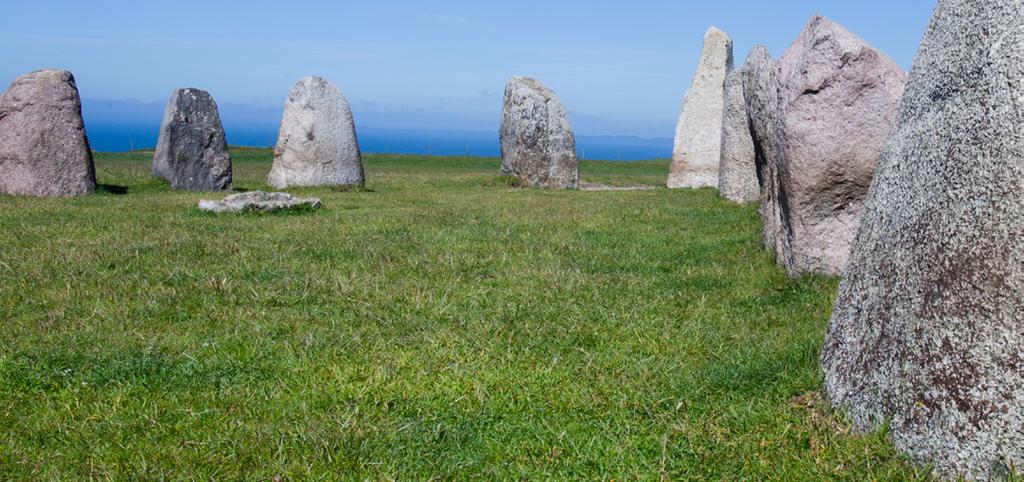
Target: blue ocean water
{"points": [[122, 125], [118, 137]]}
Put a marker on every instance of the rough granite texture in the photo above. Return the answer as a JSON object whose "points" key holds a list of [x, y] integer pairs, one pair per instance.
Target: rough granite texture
{"points": [[317, 144], [761, 90], [737, 178], [928, 327], [191, 151], [838, 100], [44, 151], [537, 142], [258, 201], [698, 142]]}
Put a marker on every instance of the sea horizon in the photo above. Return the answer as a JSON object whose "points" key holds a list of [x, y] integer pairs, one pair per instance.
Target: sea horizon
{"points": [[121, 126]]}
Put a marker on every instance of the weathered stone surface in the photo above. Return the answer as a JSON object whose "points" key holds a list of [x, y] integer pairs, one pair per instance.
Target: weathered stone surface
{"points": [[44, 151], [698, 143], [537, 142], [928, 327], [317, 144], [191, 151], [258, 201], [737, 178], [761, 91], [838, 100]]}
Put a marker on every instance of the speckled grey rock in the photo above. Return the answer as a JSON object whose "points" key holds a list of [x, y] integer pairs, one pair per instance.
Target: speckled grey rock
{"points": [[928, 327], [698, 142], [258, 201], [761, 91], [191, 151], [737, 178], [44, 151], [838, 100], [317, 144], [537, 142]]}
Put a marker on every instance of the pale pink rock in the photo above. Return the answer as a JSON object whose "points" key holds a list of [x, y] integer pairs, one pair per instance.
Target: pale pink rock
{"points": [[44, 151]]}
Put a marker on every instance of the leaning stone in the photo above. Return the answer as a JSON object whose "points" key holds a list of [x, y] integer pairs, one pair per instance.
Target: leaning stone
{"points": [[317, 145], [258, 201], [927, 335], [761, 92], [698, 142], [537, 142], [838, 98], [737, 178], [44, 151], [191, 151]]}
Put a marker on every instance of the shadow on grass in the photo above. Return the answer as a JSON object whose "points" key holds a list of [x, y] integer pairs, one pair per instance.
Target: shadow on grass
{"points": [[112, 189], [350, 189]]}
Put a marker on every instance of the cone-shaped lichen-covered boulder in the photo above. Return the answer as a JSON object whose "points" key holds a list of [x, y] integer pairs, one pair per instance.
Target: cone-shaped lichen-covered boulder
{"points": [[698, 143], [44, 151], [192, 152], [317, 144], [928, 328], [537, 142], [737, 178]]}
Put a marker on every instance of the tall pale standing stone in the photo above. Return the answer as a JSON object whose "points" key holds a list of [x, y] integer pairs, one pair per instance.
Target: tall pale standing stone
{"points": [[698, 142]]}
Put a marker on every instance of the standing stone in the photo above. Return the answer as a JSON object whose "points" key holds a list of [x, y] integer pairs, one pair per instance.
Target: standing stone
{"points": [[928, 328], [761, 91], [192, 152], [838, 100], [698, 143], [537, 142], [44, 151], [317, 144], [737, 179]]}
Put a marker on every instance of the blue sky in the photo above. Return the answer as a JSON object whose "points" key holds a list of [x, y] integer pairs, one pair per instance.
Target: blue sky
{"points": [[621, 68]]}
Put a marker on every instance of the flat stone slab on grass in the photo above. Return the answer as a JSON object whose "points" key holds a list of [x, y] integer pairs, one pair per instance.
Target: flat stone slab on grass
{"points": [[259, 201], [590, 186]]}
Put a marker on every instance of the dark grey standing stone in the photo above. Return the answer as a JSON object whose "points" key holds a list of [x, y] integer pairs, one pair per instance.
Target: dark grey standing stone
{"points": [[192, 152], [44, 151], [537, 141], [928, 328], [317, 144], [737, 178]]}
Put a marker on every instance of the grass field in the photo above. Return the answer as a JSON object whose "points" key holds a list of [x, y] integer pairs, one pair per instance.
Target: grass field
{"points": [[439, 325]]}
